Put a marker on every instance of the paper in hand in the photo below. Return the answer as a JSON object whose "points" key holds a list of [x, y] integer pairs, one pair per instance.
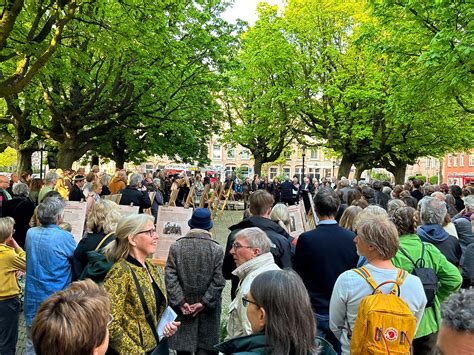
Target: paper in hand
{"points": [[168, 316]]}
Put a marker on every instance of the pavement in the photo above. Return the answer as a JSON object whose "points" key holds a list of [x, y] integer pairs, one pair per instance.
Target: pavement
{"points": [[221, 224]]}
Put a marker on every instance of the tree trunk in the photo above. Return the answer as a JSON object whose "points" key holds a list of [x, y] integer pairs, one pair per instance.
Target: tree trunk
{"points": [[66, 157], [94, 160], [24, 161], [398, 172], [345, 166], [360, 168], [257, 167]]}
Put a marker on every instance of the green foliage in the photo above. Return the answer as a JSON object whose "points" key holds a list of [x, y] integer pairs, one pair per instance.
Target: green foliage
{"points": [[8, 158], [380, 176], [433, 180]]}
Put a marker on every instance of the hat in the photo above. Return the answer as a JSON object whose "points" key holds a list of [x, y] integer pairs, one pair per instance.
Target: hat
{"points": [[79, 177], [201, 219]]}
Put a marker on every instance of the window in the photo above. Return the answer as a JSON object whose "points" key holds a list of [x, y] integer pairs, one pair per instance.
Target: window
{"points": [[245, 154], [216, 151], [471, 160], [433, 162], [314, 154], [314, 173], [450, 160], [299, 174], [244, 170], [231, 153], [286, 172], [455, 160], [461, 159], [229, 170], [272, 172], [149, 168]]}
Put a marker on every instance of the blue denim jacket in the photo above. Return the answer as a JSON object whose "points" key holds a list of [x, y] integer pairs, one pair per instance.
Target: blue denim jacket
{"points": [[48, 251]]}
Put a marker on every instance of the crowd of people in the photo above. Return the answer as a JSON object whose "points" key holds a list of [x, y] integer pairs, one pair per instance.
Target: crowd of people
{"points": [[394, 254]]}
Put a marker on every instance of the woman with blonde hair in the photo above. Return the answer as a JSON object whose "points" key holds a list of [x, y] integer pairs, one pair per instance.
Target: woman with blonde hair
{"points": [[349, 216], [12, 259], [100, 226], [93, 196], [137, 293], [281, 216]]}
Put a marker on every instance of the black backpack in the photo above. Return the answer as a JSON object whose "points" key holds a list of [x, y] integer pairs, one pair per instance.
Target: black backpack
{"points": [[427, 275]]}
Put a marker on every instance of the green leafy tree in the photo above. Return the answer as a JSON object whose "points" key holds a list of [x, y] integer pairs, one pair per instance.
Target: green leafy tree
{"points": [[260, 91], [30, 33]]}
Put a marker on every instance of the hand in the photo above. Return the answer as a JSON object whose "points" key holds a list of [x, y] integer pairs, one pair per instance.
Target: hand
{"points": [[185, 309], [196, 308], [171, 328], [19, 274]]}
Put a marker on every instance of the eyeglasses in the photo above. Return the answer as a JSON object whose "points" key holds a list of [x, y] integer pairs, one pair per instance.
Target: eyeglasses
{"points": [[111, 319], [246, 301], [237, 246], [149, 231]]}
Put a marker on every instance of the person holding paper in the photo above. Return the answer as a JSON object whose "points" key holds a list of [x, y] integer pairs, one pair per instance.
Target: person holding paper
{"points": [[135, 289], [194, 282]]}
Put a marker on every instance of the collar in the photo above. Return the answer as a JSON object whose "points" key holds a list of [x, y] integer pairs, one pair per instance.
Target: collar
{"points": [[328, 221], [261, 260], [133, 261]]}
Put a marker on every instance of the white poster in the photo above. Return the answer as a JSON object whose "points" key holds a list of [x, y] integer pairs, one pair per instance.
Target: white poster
{"points": [[75, 215], [171, 224], [128, 210], [296, 221]]}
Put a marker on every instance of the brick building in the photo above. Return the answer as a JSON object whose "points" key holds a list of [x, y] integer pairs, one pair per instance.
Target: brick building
{"points": [[459, 168]]}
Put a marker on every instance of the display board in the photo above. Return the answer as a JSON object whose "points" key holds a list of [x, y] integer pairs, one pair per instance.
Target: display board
{"points": [[75, 215], [171, 224]]}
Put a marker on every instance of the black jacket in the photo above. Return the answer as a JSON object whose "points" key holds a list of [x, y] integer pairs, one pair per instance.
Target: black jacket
{"points": [[281, 248], [76, 194], [138, 198], [20, 209], [321, 256], [286, 190]]}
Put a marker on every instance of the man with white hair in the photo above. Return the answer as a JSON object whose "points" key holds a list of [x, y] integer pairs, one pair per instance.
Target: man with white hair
{"points": [[432, 215], [134, 194], [50, 181], [251, 253], [4, 194]]}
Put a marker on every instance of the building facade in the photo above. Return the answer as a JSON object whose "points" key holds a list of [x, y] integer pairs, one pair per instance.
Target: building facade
{"points": [[459, 168]]}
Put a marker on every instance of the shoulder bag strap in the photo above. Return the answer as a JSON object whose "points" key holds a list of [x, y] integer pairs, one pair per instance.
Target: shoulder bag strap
{"points": [[402, 275], [103, 240], [421, 260], [148, 315], [362, 271]]}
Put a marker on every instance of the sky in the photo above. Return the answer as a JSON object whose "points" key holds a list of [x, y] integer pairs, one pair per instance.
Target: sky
{"points": [[246, 10]]}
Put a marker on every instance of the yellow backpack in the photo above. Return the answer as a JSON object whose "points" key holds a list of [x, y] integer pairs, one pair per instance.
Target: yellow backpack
{"points": [[384, 323]]}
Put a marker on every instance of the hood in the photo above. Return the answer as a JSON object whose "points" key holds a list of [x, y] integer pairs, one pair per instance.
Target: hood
{"points": [[261, 222], [432, 233]]}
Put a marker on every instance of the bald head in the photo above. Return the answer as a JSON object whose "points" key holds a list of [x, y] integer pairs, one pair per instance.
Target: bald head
{"points": [[4, 182]]}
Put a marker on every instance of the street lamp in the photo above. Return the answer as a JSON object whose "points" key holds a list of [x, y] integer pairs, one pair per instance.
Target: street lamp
{"points": [[303, 154], [41, 146]]}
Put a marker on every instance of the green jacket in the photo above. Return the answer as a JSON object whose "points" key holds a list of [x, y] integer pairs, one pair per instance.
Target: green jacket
{"points": [[448, 275]]}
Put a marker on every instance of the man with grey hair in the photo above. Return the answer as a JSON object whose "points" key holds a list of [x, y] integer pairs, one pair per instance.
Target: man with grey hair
{"points": [[20, 208], [456, 336], [251, 253], [134, 194], [48, 268], [50, 181], [432, 214]]}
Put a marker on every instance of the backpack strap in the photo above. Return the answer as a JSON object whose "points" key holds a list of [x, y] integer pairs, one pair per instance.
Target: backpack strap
{"points": [[362, 271], [402, 275], [103, 240], [404, 252]]}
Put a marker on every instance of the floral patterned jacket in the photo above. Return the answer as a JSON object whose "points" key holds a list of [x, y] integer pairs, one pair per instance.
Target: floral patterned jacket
{"points": [[129, 331]]}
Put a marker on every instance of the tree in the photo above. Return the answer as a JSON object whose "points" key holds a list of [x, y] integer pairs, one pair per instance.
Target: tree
{"points": [[7, 157], [260, 91], [30, 33], [141, 85]]}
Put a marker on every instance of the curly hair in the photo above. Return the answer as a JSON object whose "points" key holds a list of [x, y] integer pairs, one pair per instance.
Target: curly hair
{"points": [[104, 216], [457, 311], [405, 219]]}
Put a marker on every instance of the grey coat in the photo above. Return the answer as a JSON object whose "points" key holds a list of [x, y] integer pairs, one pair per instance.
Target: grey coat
{"points": [[194, 274]]}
